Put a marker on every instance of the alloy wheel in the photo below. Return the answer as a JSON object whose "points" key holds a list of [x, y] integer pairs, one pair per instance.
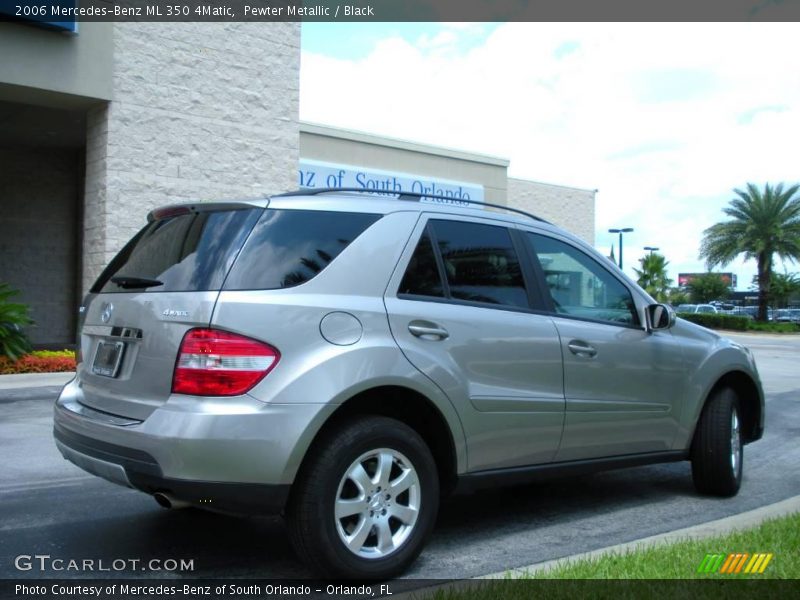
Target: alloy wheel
{"points": [[377, 503]]}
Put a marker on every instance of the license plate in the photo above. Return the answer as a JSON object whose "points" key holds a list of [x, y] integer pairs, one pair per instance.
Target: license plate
{"points": [[107, 358]]}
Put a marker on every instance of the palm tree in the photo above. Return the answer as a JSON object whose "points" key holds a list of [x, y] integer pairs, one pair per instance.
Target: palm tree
{"points": [[763, 223], [653, 276], [782, 288]]}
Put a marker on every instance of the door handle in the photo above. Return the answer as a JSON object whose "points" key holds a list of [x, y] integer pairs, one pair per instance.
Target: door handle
{"points": [[581, 348], [427, 330]]}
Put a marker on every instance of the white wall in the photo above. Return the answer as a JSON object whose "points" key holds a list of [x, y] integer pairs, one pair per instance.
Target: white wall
{"points": [[569, 208]]}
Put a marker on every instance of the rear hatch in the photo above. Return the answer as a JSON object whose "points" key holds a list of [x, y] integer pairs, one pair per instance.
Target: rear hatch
{"points": [[164, 282]]}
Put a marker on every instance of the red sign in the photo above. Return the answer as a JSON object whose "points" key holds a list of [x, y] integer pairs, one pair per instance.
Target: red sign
{"points": [[686, 278]]}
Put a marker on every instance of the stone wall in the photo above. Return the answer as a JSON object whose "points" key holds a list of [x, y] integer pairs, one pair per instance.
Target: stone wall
{"points": [[569, 208]]}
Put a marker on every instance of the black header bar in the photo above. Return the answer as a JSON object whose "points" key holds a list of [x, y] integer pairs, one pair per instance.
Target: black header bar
{"points": [[53, 12]]}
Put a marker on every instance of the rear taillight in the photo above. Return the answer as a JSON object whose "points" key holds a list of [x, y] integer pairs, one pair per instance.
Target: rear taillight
{"points": [[218, 363]]}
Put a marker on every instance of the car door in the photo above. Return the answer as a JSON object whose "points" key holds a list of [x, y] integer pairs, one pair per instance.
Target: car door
{"points": [[462, 308], [623, 385]]}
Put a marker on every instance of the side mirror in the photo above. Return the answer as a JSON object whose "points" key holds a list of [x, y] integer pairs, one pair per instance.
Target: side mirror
{"points": [[659, 316]]}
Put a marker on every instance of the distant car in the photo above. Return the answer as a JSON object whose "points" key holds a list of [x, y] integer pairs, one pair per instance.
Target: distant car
{"points": [[745, 311], [787, 315], [722, 306], [706, 308], [735, 312], [696, 308]]}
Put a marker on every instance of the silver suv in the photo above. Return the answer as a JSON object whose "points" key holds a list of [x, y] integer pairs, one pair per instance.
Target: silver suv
{"points": [[346, 359]]}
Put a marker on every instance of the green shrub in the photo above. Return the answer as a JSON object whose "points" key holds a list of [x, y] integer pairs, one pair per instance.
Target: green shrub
{"points": [[737, 323], [717, 321], [54, 354], [773, 327], [13, 317]]}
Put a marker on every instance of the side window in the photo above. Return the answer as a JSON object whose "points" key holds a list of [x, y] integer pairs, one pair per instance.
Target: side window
{"points": [[289, 247], [422, 275], [480, 263], [580, 286]]}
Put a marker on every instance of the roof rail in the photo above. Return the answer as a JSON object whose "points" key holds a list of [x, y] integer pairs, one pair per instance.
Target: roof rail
{"points": [[403, 195]]}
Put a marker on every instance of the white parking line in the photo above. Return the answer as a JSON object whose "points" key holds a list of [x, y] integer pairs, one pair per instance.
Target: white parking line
{"points": [[41, 485]]}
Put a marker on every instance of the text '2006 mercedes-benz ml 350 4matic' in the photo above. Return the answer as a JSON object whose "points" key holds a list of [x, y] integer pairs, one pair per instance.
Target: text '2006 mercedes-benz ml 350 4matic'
{"points": [[345, 359]]}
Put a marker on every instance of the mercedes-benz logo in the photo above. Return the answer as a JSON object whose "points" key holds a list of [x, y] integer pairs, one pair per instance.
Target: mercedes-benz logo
{"points": [[108, 308]]}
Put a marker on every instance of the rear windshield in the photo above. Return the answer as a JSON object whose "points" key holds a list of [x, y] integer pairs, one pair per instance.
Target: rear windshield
{"points": [[184, 253], [290, 247]]}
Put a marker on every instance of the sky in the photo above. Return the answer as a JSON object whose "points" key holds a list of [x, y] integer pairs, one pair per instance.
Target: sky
{"points": [[663, 119]]}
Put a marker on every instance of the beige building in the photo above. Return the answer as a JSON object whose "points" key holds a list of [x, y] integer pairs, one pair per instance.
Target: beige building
{"points": [[100, 126], [326, 151]]}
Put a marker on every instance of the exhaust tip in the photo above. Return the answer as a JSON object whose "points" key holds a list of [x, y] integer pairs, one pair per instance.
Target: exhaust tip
{"points": [[168, 501], [162, 500]]}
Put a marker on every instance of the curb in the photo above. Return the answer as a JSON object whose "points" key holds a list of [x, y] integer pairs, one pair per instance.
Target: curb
{"points": [[745, 520], [34, 380]]}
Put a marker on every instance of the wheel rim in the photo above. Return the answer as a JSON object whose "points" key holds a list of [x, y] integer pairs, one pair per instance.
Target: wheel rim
{"points": [[377, 503], [736, 446]]}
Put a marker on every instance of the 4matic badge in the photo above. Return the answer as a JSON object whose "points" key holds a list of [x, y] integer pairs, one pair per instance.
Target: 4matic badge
{"points": [[168, 312]]}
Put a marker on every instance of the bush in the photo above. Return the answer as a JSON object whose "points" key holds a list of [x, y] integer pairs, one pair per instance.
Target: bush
{"points": [[717, 321], [54, 354], [774, 327], [13, 317], [51, 362], [737, 323]]}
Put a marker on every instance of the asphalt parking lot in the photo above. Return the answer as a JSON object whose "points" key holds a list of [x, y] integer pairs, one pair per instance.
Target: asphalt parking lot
{"points": [[48, 506]]}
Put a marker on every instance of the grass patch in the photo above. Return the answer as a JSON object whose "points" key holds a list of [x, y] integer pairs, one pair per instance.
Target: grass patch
{"points": [[773, 327], [680, 560], [663, 571]]}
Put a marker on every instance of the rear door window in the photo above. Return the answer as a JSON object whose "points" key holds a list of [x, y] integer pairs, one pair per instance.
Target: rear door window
{"points": [[186, 252], [478, 264], [290, 247], [422, 276]]}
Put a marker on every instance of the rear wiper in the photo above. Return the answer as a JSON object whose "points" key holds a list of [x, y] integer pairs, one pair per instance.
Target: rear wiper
{"points": [[135, 282]]}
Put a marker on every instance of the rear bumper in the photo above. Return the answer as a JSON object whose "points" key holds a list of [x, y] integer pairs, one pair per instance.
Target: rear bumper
{"points": [[139, 471], [232, 455]]}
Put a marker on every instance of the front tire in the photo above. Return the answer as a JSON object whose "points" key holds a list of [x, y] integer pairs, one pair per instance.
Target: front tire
{"points": [[717, 449], [365, 503]]}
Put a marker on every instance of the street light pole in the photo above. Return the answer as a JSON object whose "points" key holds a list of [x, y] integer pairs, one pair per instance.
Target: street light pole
{"points": [[651, 249], [620, 232]]}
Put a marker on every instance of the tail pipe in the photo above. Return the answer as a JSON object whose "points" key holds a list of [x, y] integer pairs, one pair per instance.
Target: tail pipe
{"points": [[167, 501]]}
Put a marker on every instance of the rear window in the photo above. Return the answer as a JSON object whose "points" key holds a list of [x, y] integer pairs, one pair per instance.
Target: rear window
{"points": [[188, 252], [290, 247]]}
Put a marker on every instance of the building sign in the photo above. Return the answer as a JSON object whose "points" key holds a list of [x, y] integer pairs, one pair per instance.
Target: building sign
{"points": [[59, 15], [316, 174], [686, 278]]}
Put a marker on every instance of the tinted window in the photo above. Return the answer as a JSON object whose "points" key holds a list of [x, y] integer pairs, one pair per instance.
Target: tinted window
{"points": [[187, 252], [480, 263], [290, 247], [580, 286], [422, 275]]}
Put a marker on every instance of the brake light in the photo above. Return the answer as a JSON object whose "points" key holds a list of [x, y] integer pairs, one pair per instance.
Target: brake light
{"points": [[219, 363]]}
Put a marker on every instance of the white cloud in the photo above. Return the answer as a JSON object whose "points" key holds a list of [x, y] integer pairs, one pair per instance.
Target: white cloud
{"points": [[665, 119]]}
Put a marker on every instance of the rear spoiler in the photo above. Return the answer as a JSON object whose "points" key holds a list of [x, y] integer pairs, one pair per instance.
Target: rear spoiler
{"points": [[173, 210]]}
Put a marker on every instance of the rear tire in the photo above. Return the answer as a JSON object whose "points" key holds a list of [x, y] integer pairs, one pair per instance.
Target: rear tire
{"points": [[366, 501], [717, 450]]}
